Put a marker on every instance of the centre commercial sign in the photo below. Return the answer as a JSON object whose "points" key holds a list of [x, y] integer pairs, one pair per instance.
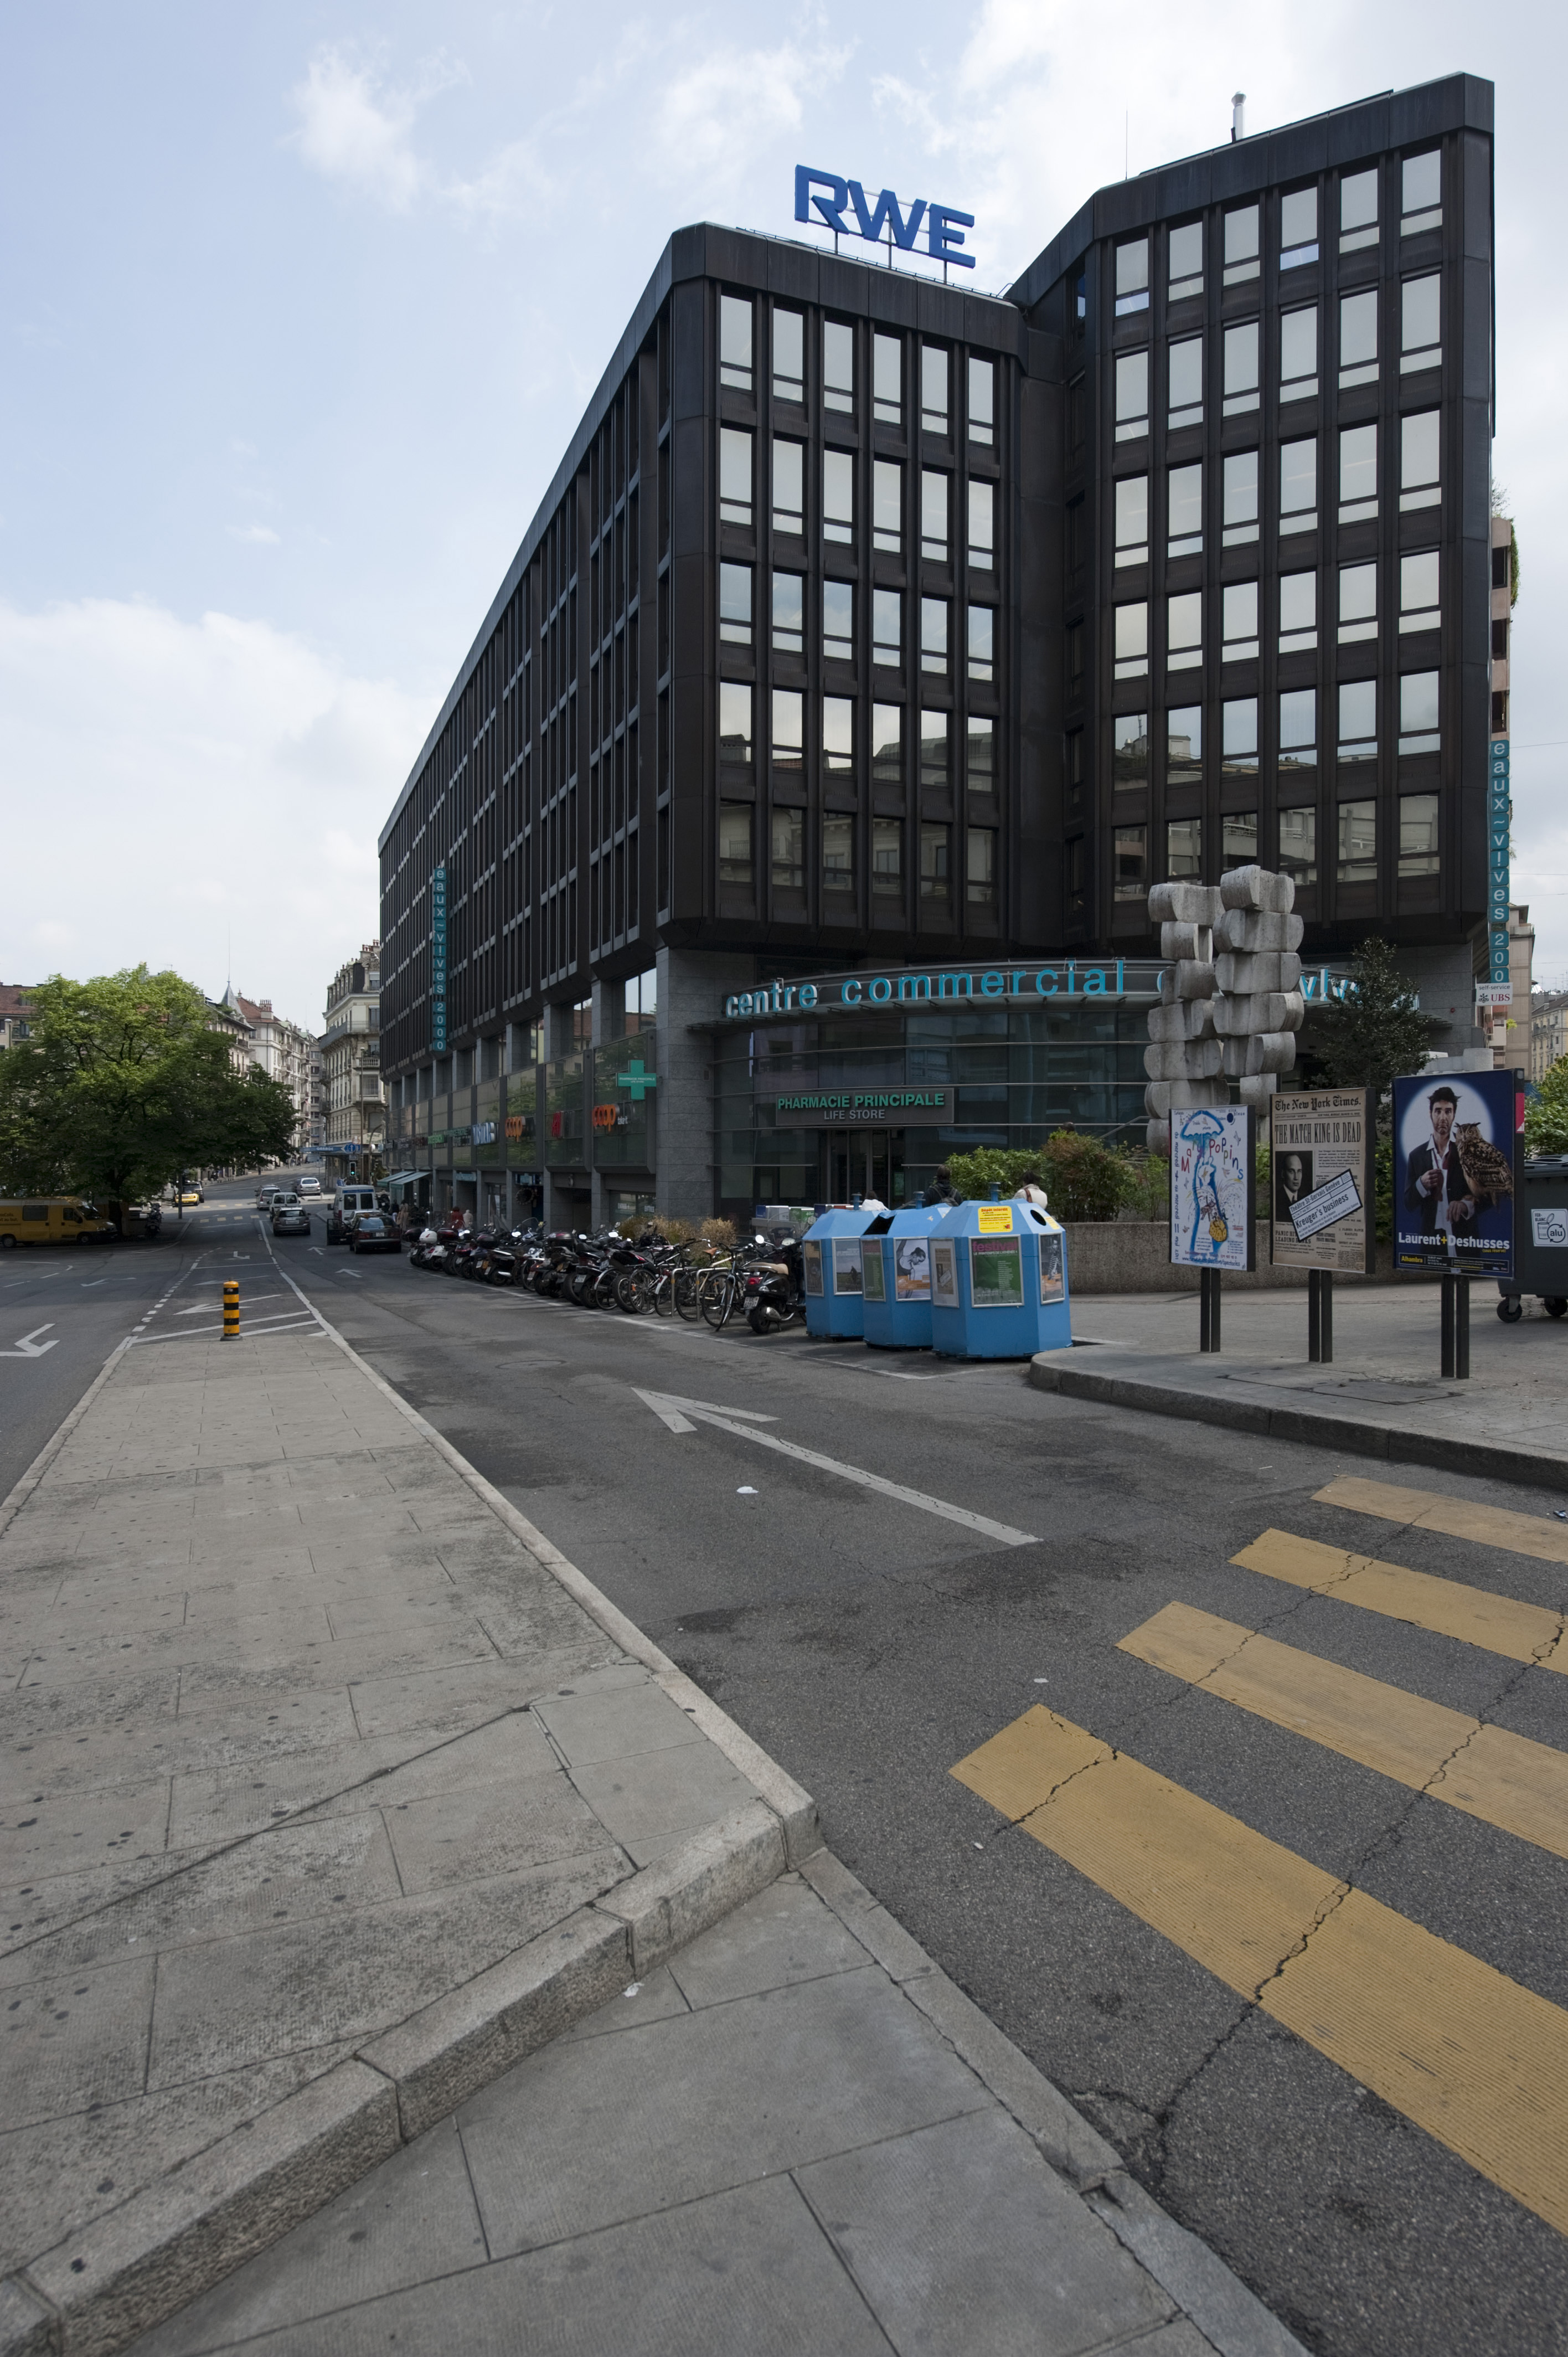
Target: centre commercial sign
{"points": [[861, 994]]}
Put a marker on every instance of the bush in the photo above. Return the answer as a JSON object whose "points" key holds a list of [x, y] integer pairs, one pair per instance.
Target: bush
{"points": [[1148, 1195], [719, 1231], [1083, 1179], [1546, 1114]]}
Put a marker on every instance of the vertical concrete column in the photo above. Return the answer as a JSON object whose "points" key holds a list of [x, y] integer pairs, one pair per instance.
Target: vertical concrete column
{"points": [[604, 995], [557, 1043], [693, 987]]}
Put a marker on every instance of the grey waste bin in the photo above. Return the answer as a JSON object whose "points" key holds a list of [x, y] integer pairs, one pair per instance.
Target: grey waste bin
{"points": [[1539, 1239]]}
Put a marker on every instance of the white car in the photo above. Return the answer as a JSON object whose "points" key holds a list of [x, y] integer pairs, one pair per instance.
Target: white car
{"points": [[310, 1184]]}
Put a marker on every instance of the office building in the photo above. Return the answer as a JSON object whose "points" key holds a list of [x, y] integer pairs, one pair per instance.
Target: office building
{"points": [[349, 1051]]}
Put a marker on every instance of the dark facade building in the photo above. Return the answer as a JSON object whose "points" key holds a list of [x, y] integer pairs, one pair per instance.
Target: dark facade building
{"points": [[884, 642]]}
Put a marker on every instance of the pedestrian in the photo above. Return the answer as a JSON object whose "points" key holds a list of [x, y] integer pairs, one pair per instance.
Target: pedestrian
{"points": [[1031, 1188], [941, 1189]]}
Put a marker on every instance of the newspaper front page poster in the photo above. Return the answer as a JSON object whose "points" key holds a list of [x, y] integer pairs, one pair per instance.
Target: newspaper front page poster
{"points": [[1320, 1176]]}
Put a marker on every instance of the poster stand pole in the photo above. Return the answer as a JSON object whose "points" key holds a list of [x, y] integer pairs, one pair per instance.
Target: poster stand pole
{"points": [[1209, 1309], [1320, 1316], [1456, 1328]]}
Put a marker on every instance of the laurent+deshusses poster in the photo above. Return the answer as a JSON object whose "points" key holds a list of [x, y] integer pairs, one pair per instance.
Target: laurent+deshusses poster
{"points": [[1454, 1173], [1320, 1173]]}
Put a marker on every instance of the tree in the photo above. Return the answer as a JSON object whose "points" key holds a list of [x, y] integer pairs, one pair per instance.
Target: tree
{"points": [[1546, 1114], [120, 1086], [1376, 1030]]}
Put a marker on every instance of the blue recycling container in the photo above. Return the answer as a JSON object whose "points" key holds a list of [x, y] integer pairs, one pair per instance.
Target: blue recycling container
{"points": [[896, 1277], [999, 1282], [830, 1249]]}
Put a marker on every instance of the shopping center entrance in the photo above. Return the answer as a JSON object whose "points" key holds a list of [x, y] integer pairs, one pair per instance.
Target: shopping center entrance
{"points": [[861, 1162]]}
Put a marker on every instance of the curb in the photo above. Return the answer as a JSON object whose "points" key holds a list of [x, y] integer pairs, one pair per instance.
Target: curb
{"points": [[1314, 1429]]}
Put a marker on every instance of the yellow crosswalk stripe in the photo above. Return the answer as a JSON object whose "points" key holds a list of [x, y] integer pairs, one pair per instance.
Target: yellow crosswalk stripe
{"points": [[1506, 1779], [1477, 2061], [1455, 1517], [1498, 1624]]}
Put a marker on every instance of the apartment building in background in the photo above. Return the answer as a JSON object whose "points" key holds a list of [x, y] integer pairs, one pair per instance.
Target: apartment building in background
{"points": [[354, 1110], [14, 1001]]}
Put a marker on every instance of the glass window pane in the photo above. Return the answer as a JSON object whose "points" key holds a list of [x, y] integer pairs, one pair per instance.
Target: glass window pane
{"points": [[1239, 611], [888, 504], [1298, 846], [789, 723], [1298, 728], [1357, 717], [788, 613], [1358, 329], [980, 759], [838, 734], [734, 342], [1418, 449], [1298, 344], [1358, 593], [789, 356], [981, 401], [838, 852], [1130, 748], [1357, 464], [1359, 843], [1358, 199], [1186, 256], [1418, 703], [1238, 839], [982, 642], [1298, 218], [1130, 862], [735, 844], [1183, 622], [934, 515], [1184, 744], [979, 864], [1132, 639], [933, 634], [888, 378], [788, 849], [1422, 181], [1240, 489], [788, 487], [734, 475], [1184, 850], [887, 625], [933, 389], [1186, 373], [1419, 584], [1186, 514], [838, 495], [1133, 266], [887, 857], [1132, 517], [1239, 741], [1132, 387], [838, 365], [1299, 604], [934, 748], [887, 744], [734, 604], [934, 882], [838, 620], [734, 722], [1241, 235], [1241, 359], [1419, 313], [1298, 477], [982, 526], [1418, 834]]}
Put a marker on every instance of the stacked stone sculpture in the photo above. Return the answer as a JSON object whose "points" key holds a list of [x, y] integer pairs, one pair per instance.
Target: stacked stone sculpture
{"points": [[1231, 1001]]}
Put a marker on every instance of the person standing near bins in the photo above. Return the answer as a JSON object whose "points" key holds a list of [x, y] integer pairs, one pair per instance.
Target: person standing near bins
{"points": [[941, 1189], [1031, 1188]]}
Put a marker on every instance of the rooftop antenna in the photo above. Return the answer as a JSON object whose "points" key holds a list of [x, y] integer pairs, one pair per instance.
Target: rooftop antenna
{"points": [[1238, 128]]}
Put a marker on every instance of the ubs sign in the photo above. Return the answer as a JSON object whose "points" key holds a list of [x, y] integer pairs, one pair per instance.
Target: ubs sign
{"points": [[822, 198]]}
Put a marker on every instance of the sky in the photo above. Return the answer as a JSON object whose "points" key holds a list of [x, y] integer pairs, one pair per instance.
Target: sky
{"points": [[300, 305]]}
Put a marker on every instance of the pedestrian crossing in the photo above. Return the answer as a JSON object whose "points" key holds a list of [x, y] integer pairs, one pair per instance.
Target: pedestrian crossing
{"points": [[1476, 2059]]}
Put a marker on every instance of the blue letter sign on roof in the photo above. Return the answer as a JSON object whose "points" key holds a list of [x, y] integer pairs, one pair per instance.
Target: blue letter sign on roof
{"points": [[823, 199]]}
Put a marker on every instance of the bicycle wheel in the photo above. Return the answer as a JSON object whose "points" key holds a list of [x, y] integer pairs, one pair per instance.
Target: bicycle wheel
{"points": [[684, 1294], [628, 1292], [718, 1298], [663, 1291]]}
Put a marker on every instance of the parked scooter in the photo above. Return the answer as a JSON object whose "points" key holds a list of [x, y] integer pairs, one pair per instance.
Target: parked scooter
{"points": [[775, 1286]]}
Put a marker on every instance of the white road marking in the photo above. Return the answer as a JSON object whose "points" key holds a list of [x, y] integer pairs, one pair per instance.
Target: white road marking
{"points": [[666, 1406], [28, 1345]]}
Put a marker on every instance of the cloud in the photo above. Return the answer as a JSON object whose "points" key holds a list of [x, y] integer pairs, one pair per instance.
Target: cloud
{"points": [[171, 780], [354, 127], [714, 116], [262, 534]]}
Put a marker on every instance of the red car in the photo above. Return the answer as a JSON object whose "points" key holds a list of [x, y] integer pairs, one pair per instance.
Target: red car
{"points": [[369, 1232]]}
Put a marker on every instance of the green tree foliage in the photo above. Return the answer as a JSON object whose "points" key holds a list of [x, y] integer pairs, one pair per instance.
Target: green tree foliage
{"points": [[120, 1086], [1083, 1179], [1546, 1114], [1376, 1030]]}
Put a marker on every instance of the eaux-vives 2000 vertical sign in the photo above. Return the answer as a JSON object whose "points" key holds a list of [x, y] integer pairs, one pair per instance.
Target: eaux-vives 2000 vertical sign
{"points": [[438, 962]]}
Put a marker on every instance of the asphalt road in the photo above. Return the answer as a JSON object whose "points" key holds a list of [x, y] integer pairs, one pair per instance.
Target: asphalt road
{"points": [[871, 1643]]}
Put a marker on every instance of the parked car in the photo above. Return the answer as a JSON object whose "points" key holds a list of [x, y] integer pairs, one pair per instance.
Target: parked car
{"points": [[289, 1216], [52, 1220], [372, 1231], [342, 1207]]}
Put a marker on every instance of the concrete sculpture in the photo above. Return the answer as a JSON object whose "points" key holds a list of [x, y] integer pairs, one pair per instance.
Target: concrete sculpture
{"points": [[1231, 1000]]}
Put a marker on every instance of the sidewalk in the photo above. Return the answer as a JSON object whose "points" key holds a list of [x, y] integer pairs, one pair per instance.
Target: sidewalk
{"points": [[1382, 1396], [336, 1802]]}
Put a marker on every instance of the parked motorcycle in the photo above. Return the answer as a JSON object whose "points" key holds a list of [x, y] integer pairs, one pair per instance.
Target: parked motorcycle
{"points": [[774, 1286]]}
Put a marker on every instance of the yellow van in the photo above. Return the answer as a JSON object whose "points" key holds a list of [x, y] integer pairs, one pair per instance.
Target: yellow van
{"points": [[52, 1220]]}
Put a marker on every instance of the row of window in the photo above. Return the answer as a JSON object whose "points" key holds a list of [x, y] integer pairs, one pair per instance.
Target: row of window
{"points": [[786, 837], [787, 748], [1421, 209], [1355, 862], [1296, 608], [788, 510], [737, 370], [1296, 741], [787, 623]]}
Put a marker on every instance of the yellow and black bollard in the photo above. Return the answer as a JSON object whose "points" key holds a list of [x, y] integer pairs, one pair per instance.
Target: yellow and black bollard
{"points": [[231, 1308]]}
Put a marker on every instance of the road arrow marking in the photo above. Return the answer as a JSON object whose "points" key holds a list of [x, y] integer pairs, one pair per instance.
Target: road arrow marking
{"points": [[29, 1347], [667, 1407]]}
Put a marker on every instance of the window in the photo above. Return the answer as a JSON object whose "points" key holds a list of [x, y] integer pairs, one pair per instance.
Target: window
{"points": [[1184, 746], [887, 744], [788, 487], [734, 845], [788, 730], [1358, 603], [734, 342], [983, 402], [1240, 244], [887, 858], [1238, 839], [734, 723], [1186, 386], [838, 495], [1132, 276], [887, 380], [1184, 850], [838, 620], [1132, 395], [1184, 631], [789, 614], [1130, 749], [789, 356], [1358, 210], [979, 866], [1419, 485], [983, 526], [980, 756], [1298, 354], [1358, 472], [934, 390], [838, 365], [1418, 712], [1241, 367], [1129, 858], [1239, 607], [1298, 228], [934, 515], [1132, 520], [1298, 728], [1418, 834], [887, 505], [1238, 736], [1298, 484], [887, 627], [1185, 262], [734, 475], [1239, 483], [934, 772], [838, 735], [933, 634], [982, 642], [734, 604], [788, 850], [1298, 612], [1357, 843], [1418, 607], [1132, 656], [1358, 720], [1298, 846], [934, 884], [1420, 317], [1184, 521], [1359, 337], [1421, 193], [838, 852]]}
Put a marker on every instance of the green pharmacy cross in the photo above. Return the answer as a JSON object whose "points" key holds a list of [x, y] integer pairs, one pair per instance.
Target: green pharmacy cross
{"points": [[637, 1081]]}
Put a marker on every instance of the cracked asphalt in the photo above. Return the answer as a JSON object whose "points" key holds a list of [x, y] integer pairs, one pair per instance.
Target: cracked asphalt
{"points": [[870, 1646]]}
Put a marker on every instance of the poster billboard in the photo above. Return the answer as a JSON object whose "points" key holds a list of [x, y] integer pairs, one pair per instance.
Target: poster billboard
{"points": [[1213, 1187], [911, 1269], [1320, 1176], [1455, 1161], [944, 1274], [995, 1272]]}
